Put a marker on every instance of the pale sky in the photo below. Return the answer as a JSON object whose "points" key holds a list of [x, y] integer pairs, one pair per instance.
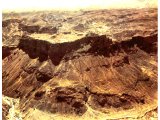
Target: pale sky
{"points": [[75, 4]]}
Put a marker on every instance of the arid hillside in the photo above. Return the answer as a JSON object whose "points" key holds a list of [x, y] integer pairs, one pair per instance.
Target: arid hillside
{"points": [[97, 65]]}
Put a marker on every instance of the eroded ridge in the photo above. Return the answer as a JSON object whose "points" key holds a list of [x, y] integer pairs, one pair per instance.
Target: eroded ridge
{"points": [[89, 75]]}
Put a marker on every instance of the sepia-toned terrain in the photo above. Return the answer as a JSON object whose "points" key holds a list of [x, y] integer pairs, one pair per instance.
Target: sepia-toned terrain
{"points": [[80, 65]]}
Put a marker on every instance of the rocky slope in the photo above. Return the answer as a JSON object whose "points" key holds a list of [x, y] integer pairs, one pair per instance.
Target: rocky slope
{"points": [[90, 77]]}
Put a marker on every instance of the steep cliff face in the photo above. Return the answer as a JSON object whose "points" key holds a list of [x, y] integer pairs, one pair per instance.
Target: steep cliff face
{"points": [[93, 73], [83, 65]]}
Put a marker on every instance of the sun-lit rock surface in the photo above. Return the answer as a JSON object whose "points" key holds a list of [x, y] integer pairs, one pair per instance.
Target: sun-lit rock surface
{"points": [[94, 65]]}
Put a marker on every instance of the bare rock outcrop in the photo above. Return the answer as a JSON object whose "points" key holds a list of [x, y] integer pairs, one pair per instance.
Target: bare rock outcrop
{"points": [[106, 75], [103, 68]]}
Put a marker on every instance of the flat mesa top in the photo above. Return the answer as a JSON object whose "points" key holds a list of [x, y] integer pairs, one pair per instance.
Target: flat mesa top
{"points": [[60, 38]]}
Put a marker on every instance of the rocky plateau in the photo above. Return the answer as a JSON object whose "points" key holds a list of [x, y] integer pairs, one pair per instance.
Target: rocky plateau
{"points": [[67, 65]]}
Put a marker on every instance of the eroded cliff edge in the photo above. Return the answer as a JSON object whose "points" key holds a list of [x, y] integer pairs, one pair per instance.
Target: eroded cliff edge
{"points": [[92, 77]]}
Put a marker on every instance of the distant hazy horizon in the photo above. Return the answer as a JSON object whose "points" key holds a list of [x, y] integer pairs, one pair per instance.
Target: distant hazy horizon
{"points": [[29, 5]]}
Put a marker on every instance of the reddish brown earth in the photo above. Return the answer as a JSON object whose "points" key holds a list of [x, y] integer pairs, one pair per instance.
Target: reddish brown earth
{"points": [[97, 76]]}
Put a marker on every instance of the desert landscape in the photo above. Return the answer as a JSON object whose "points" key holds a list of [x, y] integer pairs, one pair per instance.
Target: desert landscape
{"points": [[80, 65]]}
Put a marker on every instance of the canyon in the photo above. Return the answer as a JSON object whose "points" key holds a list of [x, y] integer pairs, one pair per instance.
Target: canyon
{"points": [[98, 65]]}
